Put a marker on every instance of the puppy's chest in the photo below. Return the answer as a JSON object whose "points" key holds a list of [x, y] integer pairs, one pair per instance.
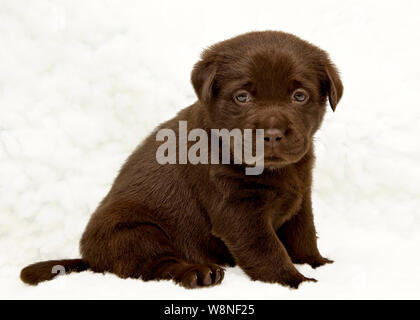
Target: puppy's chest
{"points": [[282, 204]]}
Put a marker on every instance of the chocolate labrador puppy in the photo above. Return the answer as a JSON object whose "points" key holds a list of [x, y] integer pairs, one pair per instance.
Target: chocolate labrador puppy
{"points": [[186, 221]]}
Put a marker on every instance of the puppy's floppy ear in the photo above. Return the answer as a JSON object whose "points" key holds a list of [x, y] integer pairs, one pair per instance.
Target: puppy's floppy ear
{"points": [[203, 78], [334, 85]]}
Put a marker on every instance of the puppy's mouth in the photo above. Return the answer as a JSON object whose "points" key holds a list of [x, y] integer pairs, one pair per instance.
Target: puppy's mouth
{"points": [[272, 158], [280, 158], [275, 159]]}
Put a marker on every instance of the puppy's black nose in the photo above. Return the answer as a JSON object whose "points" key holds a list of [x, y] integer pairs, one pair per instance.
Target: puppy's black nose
{"points": [[273, 136]]}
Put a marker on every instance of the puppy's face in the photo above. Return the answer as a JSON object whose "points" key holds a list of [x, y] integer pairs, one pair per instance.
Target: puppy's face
{"points": [[272, 81]]}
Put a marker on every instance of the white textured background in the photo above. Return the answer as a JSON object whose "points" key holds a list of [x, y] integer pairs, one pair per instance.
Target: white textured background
{"points": [[83, 82]]}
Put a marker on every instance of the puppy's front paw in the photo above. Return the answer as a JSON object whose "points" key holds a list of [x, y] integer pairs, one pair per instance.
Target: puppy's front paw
{"points": [[320, 262], [295, 280], [314, 262]]}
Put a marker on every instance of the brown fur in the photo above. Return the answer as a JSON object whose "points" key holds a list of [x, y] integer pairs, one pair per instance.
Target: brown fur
{"points": [[184, 222]]}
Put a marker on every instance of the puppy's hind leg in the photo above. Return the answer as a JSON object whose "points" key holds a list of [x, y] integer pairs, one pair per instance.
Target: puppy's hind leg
{"points": [[188, 275], [144, 251]]}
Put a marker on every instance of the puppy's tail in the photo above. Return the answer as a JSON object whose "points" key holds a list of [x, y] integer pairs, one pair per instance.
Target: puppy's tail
{"points": [[47, 270]]}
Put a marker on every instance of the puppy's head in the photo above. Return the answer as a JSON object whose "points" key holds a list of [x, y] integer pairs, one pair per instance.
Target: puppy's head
{"points": [[268, 80]]}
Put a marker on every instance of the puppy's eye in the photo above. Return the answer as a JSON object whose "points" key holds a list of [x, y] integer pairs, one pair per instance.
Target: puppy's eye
{"points": [[299, 96], [242, 97]]}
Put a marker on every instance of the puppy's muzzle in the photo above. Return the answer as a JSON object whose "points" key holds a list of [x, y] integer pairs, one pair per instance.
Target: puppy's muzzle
{"points": [[275, 130]]}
